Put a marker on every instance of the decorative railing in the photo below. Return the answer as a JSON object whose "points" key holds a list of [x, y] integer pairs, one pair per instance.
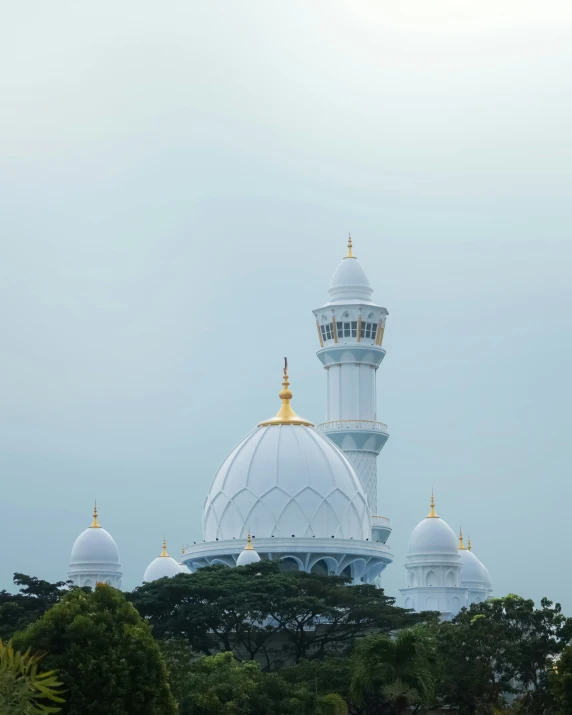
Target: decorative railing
{"points": [[380, 520], [341, 425]]}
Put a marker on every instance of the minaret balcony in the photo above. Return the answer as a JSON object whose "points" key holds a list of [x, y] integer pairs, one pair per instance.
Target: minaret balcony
{"points": [[361, 435], [353, 425]]}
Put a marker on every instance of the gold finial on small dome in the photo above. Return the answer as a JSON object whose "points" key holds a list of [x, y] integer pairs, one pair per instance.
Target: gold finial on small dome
{"points": [[164, 553], [286, 415], [462, 546], [432, 513], [95, 523], [350, 245], [249, 546], [468, 543]]}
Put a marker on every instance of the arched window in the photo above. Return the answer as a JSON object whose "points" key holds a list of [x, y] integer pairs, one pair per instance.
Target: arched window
{"points": [[289, 564], [320, 568], [430, 579]]}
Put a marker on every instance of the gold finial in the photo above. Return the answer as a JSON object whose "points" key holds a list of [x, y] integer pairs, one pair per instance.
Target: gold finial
{"points": [[183, 550], [164, 552], [432, 513], [249, 546], [468, 543], [350, 244], [286, 415], [461, 545], [95, 523]]}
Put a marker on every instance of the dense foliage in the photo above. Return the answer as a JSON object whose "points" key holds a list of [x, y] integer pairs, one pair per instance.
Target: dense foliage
{"points": [[104, 653], [259, 612], [33, 599], [259, 641]]}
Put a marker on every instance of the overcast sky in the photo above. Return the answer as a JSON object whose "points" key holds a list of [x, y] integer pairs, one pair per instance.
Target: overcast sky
{"points": [[177, 182]]}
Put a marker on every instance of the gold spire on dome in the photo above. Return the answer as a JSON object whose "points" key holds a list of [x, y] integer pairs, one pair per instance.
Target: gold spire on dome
{"points": [[350, 245], [95, 523], [432, 513], [286, 415], [462, 546], [164, 553], [249, 546], [469, 543]]}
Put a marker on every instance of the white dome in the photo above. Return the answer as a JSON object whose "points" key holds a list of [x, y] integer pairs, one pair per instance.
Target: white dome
{"points": [[95, 546], [160, 567], [432, 536], [472, 569], [248, 555], [350, 282], [282, 480]]}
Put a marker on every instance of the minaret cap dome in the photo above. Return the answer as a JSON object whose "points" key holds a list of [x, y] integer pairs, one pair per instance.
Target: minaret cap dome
{"points": [[350, 282]]}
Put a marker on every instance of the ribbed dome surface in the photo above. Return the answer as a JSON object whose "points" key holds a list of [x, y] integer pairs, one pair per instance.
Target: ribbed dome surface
{"points": [[432, 536], [160, 567], [284, 480], [95, 546], [350, 282]]}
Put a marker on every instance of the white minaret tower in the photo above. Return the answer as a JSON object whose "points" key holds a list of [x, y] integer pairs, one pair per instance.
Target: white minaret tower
{"points": [[350, 330]]}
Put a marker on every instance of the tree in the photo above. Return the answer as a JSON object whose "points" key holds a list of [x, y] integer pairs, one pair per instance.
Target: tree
{"points": [[500, 647], [259, 612], [221, 685], [34, 598], [395, 674], [105, 655], [23, 688], [560, 680]]}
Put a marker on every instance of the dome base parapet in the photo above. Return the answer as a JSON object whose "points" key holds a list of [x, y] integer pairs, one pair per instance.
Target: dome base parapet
{"points": [[363, 561]]}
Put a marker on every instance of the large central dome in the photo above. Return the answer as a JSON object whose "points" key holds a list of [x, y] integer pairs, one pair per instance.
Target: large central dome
{"points": [[286, 479]]}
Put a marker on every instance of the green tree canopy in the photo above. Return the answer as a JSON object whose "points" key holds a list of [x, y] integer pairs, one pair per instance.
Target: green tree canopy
{"points": [[104, 653], [499, 647], [18, 610], [258, 611], [395, 674], [221, 685]]}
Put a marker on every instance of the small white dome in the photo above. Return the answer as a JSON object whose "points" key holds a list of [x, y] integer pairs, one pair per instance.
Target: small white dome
{"points": [[162, 566], [248, 555], [350, 282], [184, 568], [472, 570], [487, 576], [95, 546], [432, 536]]}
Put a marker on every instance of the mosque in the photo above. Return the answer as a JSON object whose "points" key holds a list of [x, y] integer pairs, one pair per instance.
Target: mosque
{"points": [[307, 495]]}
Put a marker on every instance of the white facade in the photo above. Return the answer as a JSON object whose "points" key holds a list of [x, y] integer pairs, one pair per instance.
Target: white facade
{"points": [[95, 558], [350, 331]]}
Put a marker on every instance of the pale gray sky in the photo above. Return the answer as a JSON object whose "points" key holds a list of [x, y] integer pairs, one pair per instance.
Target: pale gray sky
{"points": [[177, 181]]}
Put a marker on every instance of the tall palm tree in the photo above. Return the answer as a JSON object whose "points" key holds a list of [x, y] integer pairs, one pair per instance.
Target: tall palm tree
{"points": [[398, 671]]}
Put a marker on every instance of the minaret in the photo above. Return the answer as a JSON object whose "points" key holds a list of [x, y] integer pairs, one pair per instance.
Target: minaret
{"points": [[350, 330]]}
